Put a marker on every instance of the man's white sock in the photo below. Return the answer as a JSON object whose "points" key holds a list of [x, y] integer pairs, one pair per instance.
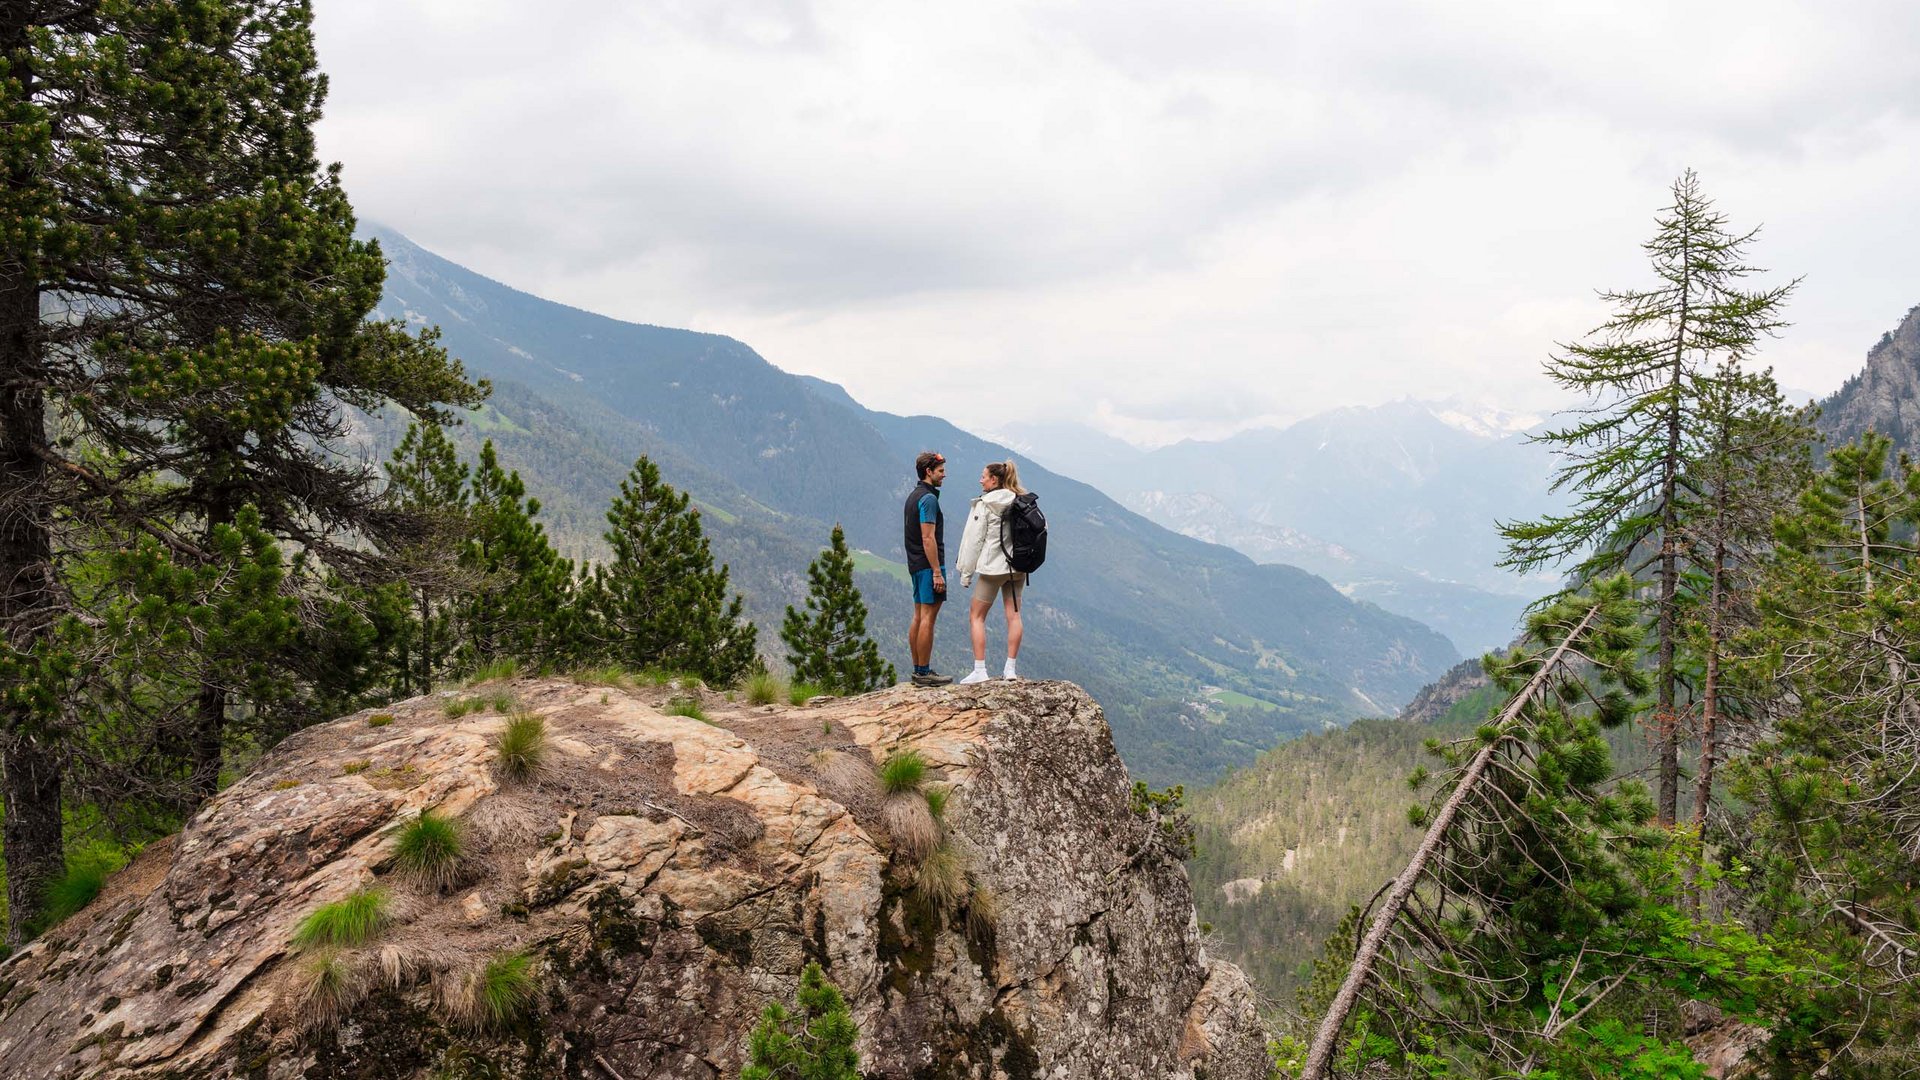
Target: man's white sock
{"points": [[1010, 673]]}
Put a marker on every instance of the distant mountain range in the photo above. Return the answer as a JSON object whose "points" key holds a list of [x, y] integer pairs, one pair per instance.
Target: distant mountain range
{"points": [[1397, 504], [1201, 656]]}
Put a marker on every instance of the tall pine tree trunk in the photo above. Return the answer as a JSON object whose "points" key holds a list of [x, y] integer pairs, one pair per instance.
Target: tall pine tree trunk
{"points": [[34, 855], [1710, 688], [210, 704], [1667, 623]]}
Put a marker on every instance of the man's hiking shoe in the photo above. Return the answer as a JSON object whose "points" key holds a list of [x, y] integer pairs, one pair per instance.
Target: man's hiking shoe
{"points": [[931, 678]]}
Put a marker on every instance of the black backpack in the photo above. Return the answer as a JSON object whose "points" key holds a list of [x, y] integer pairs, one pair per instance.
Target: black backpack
{"points": [[1023, 534]]}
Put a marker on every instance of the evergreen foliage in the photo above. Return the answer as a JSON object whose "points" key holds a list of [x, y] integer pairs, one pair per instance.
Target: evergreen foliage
{"points": [[813, 1042], [661, 602], [828, 644], [1632, 453], [427, 480], [520, 603]]}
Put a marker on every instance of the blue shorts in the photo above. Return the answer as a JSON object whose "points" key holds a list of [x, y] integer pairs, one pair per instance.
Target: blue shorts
{"points": [[923, 587]]}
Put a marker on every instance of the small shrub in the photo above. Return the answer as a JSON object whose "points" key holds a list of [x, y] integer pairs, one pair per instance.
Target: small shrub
{"points": [[941, 880], [429, 849], [346, 923], [801, 693], [938, 795], [817, 1043], [687, 707], [503, 668], [903, 771], [911, 825], [765, 688], [497, 993], [380, 719], [353, 768], [1167, 810], [521, 746]]}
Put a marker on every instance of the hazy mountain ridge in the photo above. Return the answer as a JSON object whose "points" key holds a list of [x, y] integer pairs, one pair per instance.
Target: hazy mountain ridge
{"points": [[1142, 616]]}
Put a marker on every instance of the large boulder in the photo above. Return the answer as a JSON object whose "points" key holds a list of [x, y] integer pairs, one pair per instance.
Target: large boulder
{"points": [[667, 875]]}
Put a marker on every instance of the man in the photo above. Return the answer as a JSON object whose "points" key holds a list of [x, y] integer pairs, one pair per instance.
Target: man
{"points": [[926, 543]]}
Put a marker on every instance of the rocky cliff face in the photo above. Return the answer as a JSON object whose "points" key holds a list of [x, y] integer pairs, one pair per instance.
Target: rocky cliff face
{"points": [[1885, 396], [666, 876]]}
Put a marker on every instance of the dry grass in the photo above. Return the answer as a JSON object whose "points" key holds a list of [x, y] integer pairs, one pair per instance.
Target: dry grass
{"points": [[983, 913], [847, 774], [911, 825], [327, 985], [490, 995], [941, 880]]}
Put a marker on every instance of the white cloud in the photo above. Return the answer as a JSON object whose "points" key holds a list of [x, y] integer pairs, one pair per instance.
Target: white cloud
{"points": [[1172, 218]]}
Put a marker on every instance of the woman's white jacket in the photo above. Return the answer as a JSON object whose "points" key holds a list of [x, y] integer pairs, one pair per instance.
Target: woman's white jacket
{"points": [[980, 549]]}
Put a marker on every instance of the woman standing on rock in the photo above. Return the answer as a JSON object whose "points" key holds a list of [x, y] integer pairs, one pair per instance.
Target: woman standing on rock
{"points": [[984, 556]]}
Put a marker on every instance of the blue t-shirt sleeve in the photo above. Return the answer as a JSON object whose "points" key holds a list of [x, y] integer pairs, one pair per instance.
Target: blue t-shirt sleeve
{"points": [[929, 509]]}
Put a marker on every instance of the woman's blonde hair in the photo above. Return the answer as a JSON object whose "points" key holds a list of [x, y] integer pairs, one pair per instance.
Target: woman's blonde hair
{"points": [[1008, 474]]}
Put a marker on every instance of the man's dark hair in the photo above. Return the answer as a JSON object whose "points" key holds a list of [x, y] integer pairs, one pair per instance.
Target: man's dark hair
{"points": [[925, 463]]}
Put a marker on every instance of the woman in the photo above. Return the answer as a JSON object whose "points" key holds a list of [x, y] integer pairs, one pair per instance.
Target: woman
{"points": [[983, 557]]}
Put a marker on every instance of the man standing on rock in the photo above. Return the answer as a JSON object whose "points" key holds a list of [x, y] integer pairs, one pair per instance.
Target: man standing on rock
{"points": [[926, 543]]}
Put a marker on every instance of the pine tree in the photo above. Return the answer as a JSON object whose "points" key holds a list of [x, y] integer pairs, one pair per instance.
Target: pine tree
{"points": [[184, 292], [521, 604], [427, 480], [828, 644], [816, 1044], [1629, 457], [660, 603]]}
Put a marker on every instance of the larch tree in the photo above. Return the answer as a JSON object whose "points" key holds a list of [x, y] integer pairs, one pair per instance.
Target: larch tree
{"points": [[1630, 450], [828, 644], [660, 602]]}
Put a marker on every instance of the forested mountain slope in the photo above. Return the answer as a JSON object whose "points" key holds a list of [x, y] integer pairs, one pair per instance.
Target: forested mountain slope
{"points": [[1202, 657]]}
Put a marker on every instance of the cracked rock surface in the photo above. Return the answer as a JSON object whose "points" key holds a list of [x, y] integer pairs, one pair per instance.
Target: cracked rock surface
{"points": [[668, 876]]}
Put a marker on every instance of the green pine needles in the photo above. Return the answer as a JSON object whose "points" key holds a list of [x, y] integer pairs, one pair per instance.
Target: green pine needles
{"points": [[828, 644], [661, 602], [814, 1042]]}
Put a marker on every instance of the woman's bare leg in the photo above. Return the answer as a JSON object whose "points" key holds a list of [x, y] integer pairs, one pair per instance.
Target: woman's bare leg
{"points": [[1014, 629], [977, 623]]}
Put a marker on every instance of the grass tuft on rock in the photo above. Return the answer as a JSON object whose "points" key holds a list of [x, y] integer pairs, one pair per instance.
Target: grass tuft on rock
{"points": [[801, 693], [941, 880], [911, 826], [938, 796], [765, 688], [983, 913], [610, 675], [381, 719], [346, 923], [496, 994], [328, 987], [687, 707], [429, 848], [80, 884], [903, 771], [501, 702], [521, 746]]}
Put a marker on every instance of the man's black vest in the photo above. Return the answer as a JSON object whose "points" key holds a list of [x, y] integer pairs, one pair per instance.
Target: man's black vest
{"points": [[916, 552]]}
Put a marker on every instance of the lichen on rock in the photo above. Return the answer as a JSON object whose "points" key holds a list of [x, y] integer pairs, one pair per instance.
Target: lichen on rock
{"points": [[669, 876]]}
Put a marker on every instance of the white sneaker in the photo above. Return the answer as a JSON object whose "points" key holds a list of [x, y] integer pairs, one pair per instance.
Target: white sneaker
{"points": [[1009, 673], [979, 675]]}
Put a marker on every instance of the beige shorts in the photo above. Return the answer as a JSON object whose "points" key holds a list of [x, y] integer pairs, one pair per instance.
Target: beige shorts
{"points": [[987, 586]]}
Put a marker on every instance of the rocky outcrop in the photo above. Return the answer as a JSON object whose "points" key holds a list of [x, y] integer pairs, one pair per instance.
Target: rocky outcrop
{"points": [[1436, 698], [667, 875], [1885, 396]]}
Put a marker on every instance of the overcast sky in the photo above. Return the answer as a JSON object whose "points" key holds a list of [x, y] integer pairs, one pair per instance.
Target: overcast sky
{"points": [[1168, 219]]}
